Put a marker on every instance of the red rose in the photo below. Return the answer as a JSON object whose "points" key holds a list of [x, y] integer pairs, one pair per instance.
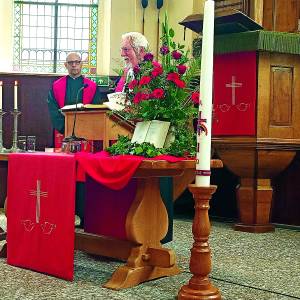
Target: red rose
{"points": [[158, 93], [179, 83], [157, 71], [156, 64], [176, 55], [132, 84], [145, 80], [173, 76], [181, 69], [137, 98], [144, 96], [196, 97]]}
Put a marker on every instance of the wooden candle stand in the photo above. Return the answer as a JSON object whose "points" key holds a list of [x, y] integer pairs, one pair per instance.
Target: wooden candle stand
{"points": [[199, 286]]}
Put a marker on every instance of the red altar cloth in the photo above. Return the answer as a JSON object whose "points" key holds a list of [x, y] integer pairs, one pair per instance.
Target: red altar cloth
{"points": [[234, 99], [40, 212], [113, 172]]}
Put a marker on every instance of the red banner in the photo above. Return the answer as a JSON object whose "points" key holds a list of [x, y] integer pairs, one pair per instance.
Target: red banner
{"points": [[40, 212], [234, 94]]}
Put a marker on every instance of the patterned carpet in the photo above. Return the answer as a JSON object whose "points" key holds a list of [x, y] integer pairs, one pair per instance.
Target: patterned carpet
{"points": [[245, 267]]}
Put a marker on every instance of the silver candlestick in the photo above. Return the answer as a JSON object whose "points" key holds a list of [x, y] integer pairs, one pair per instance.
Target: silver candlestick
{"points": [[2, 149], [15, 147]]}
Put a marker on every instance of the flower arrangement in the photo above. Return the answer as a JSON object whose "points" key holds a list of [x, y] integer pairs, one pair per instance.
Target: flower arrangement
{"points": [[166, 91]]}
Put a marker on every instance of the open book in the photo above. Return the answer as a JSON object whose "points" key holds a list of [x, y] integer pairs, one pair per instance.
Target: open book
{"points": [[154, 132], [81, 106]]}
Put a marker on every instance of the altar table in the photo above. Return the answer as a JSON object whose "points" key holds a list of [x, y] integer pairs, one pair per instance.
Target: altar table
{"points": [[146, 225]]}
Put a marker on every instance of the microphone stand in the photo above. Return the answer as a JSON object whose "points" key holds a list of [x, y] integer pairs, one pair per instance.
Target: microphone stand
{"points": [[73, 137]]}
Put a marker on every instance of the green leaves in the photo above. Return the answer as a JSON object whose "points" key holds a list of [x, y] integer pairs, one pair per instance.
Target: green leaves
{"points": [[124, 146], [184, 145], [171, 33]]}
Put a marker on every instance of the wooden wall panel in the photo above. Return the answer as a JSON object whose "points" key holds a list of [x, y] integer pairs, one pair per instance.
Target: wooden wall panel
{"points": [[242, 5], [277, 15], [285, 15]]}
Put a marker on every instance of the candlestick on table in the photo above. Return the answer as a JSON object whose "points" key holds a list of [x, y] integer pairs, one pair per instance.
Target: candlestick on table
{"points": [[205, 107], [16, 95]]}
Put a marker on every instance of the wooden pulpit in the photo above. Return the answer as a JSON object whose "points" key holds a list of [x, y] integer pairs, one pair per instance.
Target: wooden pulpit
{"points": [[256, 118], [259, 156]]}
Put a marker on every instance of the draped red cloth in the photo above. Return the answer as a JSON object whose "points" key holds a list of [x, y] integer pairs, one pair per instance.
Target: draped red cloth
{"points": [[110, 190], [40, 212], [234, 94], [113, 172]]}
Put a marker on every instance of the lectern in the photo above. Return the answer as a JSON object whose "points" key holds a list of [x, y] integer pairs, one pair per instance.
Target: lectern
{"points": [[97, 125]]}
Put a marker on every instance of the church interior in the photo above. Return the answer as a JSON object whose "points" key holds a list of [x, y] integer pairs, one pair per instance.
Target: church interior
{"points": [[156, 234]]}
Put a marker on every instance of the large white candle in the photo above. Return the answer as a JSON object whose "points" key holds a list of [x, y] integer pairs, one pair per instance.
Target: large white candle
{"points": [[205, 109], [16, 95], [1, 84]]}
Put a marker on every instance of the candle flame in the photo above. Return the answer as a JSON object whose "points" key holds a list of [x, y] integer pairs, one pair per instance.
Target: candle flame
{"points": [[1, 82], [16, 82]]}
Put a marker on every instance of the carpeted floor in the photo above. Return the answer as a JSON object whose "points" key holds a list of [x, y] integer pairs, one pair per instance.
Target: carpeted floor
{"points": [[245, 267]]}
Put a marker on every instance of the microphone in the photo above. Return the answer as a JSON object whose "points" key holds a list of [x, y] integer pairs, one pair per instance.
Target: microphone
{"points": [[73, 137]]}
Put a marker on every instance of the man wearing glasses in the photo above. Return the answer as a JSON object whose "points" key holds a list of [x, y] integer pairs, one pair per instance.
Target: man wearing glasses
{"points": [[68, 89]]}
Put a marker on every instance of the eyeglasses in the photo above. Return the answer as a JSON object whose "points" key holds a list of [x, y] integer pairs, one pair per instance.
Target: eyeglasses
{"points": [[71, 62], [126, 50]]}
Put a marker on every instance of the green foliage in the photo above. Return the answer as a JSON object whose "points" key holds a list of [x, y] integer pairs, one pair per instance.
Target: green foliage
{"points": [[183, 146], [124, 146]]}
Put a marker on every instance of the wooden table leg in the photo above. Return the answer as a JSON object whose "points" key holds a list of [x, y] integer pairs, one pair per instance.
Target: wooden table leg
{"points": [[146, 225], [199, 286]]}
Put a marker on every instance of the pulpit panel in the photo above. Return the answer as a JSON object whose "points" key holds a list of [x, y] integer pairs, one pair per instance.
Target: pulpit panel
{"points": [[278, 108], [281, 96]]}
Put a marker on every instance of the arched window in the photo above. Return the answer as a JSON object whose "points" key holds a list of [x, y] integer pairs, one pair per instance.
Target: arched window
{"points": [[47, 30]]}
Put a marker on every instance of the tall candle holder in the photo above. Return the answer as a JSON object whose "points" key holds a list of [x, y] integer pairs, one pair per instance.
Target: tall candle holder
{"points": [[2, 149], [14, 147]]}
